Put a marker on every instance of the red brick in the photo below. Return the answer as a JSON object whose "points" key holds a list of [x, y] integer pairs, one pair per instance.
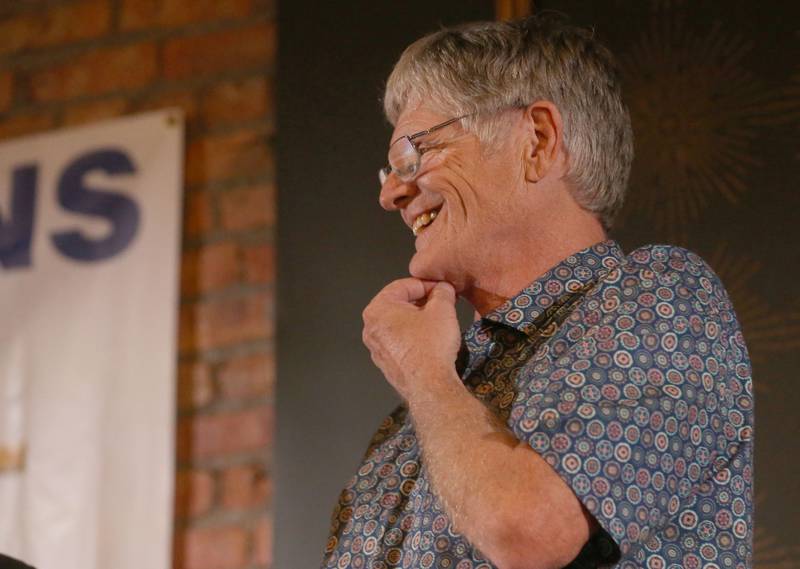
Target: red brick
{"points": [[222, 322], [97, 72], [25, 123], [55, 25], [6, 91], [240, 48], [238, 100], [96, 111], [259, 264], [195, 386], [212, 267], [198, 214], [246, 487], [241, 153], [248, 376], [194, 493], [136, 14], [221, 434], [248, 208], [262, 542], [185, 100], [212, 548]]}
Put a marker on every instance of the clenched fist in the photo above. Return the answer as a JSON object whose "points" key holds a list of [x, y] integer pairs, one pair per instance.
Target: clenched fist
{"points": [[412, 333]]}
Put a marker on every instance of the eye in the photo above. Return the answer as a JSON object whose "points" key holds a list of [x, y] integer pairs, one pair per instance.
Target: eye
{"points": [[429, 145]]}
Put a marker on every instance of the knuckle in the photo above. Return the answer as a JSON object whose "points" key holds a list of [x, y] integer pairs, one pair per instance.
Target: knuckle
{"points": [[366, 314], [369, 336]]}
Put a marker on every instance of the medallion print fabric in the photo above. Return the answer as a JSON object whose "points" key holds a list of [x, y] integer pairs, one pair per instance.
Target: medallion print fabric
{"points": [[629, 375]]}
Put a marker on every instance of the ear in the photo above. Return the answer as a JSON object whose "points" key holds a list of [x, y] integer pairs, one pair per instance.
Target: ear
{"points": [[544, 128]]}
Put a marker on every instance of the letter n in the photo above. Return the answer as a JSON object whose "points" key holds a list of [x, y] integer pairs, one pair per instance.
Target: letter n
{"points": [[16, 232]]}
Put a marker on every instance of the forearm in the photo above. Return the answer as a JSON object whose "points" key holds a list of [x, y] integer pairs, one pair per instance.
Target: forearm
{"points": [[497, 493], [500, 494]]}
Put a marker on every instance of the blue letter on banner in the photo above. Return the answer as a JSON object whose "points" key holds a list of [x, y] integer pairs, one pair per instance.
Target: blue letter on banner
{"points": [[120, 210], [16, 234]]}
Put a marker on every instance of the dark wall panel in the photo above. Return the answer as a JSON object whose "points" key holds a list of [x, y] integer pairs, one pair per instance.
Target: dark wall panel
{"points": [[336, 247], [714, 89], [714, 92]]}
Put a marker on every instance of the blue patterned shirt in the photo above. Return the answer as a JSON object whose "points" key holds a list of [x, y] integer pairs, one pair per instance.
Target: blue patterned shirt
{"points": [[629, 375]]}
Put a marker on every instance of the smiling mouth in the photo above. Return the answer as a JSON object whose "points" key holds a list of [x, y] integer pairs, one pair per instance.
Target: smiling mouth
{"points": [[423, 221]]}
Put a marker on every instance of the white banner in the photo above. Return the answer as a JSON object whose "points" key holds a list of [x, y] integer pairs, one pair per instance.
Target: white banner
{"points": [[89, 257]]}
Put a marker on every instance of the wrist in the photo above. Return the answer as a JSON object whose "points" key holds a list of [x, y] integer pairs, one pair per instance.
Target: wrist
{"points": [[433, 383]]}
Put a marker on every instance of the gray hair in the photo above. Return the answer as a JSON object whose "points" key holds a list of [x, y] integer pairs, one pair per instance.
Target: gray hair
{"points": [[486, 67]]}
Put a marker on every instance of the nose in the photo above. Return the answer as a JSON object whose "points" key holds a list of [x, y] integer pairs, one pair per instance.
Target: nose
{"points": [[396, 194]]}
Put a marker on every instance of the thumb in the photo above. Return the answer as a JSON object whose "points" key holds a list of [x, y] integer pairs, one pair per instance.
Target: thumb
{"points": [[443, 291]]}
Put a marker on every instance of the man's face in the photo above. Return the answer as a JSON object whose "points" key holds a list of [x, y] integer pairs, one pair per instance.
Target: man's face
{"points": [[472, 192]]}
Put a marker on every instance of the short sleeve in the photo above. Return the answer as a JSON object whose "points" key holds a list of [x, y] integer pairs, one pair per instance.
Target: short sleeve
{"points": [[642, 400]]}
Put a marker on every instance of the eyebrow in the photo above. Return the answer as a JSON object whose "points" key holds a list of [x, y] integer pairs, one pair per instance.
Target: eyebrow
{"points": [[409, 136], [429, 130]]}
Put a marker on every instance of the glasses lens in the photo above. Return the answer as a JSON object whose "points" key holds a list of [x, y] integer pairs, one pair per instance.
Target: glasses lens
{"points": [[383, 173], [404, 158]]}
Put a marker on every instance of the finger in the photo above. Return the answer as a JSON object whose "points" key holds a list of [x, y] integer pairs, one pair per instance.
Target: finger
{"points": [[406, 290], [429, 286], [444, 292]]}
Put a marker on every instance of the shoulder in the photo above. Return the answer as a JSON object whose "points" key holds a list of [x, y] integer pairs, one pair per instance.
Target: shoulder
{"points": [[667, 260], [667, 276], [668, 301]]}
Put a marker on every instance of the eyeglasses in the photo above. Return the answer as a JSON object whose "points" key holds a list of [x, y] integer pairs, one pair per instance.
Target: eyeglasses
{"points": [[405, 155]]}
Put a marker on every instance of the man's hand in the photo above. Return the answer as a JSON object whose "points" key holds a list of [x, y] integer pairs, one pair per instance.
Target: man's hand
{"points": [[412, 332], [525, 515]]}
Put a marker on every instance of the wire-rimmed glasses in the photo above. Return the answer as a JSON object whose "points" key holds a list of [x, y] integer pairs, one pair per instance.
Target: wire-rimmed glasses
{"points": [[405, 155]]}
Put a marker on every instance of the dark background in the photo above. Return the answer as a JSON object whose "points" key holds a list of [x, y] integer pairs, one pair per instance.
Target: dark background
{"points": [[714, 93], [714, 90], [336, 247]]}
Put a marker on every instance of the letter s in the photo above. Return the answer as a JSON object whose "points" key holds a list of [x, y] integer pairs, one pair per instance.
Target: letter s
{"points": [[120, 210]]}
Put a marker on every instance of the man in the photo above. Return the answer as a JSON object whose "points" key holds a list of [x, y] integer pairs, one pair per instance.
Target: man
{"points": [[598, 412]]}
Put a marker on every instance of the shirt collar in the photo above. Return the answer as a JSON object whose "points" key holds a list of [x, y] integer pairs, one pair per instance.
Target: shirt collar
{"points": [[531, 307]]}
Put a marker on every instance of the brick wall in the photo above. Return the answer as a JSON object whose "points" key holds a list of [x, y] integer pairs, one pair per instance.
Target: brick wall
{"points": [[76, 61]]}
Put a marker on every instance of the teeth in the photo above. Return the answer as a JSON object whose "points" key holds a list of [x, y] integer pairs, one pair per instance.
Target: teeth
{"points": [[422, 221]]}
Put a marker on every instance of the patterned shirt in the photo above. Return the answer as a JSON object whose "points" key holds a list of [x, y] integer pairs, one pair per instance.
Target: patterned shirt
{"points": [[629, 375]]}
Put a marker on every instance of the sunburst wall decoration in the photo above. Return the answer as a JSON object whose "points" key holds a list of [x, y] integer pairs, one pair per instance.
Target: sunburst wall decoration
{"points": [[714, 93], [695, 109], [768, 329]]}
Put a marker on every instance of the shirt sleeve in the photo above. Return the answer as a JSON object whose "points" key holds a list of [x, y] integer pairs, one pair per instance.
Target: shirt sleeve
{"points": [[642, 399]]}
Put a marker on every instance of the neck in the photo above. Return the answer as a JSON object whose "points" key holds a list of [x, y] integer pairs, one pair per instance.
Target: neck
{"points": [[523, 263]]}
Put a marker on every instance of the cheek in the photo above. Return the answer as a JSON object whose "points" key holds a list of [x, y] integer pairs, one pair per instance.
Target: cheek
{"points": [[471, 191]]}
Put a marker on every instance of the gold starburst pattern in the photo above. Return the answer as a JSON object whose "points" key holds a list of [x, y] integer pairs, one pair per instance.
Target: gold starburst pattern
{"points": [[767, 329], [793, 95], [784, 107], [792, 103], [661, 5], [654, 5], [768, 551], [695, 109]]}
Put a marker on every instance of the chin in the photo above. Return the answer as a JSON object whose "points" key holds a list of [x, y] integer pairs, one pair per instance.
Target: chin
{"points": [[423, 267], [429, 268]]}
